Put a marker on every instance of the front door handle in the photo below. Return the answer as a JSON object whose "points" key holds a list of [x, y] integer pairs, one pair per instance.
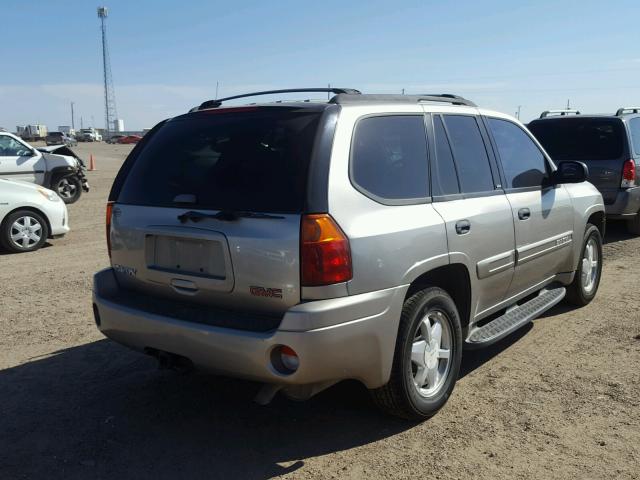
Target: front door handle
{"points": [[463, 227], [524, 213]]}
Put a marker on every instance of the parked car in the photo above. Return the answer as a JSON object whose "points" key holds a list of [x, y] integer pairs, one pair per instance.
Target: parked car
{"points": [[610, 147], [29, 215], [130, 139], [371, 237], [59, 171], [114, 138], [60, 138]]}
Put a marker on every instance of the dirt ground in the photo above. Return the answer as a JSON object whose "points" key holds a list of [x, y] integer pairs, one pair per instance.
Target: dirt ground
{"points": [[559, 399]]}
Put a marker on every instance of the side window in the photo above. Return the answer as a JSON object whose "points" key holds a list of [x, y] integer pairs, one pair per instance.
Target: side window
{"points": [[634, 126], [389, 157], [523, 163], [444, 180], [472, 161], [11, 148]]}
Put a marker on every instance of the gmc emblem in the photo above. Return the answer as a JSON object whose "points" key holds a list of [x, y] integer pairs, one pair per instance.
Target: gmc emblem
{"points": [[266, 292]]}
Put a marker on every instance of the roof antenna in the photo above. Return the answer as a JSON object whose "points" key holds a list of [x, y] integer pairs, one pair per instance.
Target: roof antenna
{"points": [[217, 89]]}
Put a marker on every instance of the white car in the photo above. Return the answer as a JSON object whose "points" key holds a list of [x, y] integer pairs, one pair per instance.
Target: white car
{"points": [[29, 215], [61, 171]]}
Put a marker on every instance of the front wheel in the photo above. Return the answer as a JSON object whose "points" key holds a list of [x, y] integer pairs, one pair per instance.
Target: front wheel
{"points": [[587, 278], [68, 188], [427, 357], [23, 231]]}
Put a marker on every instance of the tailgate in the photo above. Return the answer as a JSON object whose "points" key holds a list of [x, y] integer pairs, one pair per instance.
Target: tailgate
{"points": [[249, 264]]}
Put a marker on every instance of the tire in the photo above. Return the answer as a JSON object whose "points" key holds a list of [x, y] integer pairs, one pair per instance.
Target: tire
{"points": [[401, 396], [68, 187], [585, 283], [15, 224], [633, 225]]}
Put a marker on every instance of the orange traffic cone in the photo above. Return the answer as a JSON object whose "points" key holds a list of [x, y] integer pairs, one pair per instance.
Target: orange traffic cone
{"points": [[92, 163]]}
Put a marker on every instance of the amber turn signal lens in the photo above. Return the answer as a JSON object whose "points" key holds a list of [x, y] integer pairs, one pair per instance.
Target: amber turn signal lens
{"points": [[324, 252]]}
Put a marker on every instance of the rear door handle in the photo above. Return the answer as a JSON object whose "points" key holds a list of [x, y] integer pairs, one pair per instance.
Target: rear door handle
{"points": [[463, 227], [524, 213]]}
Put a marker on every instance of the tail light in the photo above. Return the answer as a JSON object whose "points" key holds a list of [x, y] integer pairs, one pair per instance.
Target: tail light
{"points": [[628, 174], [325, 255], [108, 225]]}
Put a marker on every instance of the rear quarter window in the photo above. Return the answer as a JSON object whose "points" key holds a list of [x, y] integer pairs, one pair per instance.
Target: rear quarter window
{"points": [[247, 159], [389, 158], [634, 128]]}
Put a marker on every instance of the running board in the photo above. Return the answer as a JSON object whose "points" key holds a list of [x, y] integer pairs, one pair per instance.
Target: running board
{"points": [[515, 318]]}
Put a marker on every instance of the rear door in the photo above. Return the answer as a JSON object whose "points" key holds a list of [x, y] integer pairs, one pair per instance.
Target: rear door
{"points": [[19, 162], [209, 211], [467, 194], [542, 215], [601, 143]]}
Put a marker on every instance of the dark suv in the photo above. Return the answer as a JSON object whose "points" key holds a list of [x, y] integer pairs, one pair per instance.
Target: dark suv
{"points": [[608, 144]]}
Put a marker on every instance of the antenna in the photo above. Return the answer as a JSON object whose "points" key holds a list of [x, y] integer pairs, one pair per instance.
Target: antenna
{"points": [[110, 112]]}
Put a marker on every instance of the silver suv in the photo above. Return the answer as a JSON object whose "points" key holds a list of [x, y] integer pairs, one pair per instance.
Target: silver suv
{"points": [[370, 237]]}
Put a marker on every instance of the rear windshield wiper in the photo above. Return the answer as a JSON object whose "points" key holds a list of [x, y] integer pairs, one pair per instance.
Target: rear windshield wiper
{"points": [[224, 215]]}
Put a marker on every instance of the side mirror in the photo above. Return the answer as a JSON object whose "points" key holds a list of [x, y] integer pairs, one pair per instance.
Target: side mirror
{"points": [[570, 172]]}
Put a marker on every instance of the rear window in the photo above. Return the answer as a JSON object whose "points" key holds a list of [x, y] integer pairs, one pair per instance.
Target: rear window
{"points": [[55, 134], [254, 160], [580, 138]]}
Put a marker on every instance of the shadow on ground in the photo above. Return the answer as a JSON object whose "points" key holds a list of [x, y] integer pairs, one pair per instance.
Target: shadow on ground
{"points": [[617, 232], [101, 411]]}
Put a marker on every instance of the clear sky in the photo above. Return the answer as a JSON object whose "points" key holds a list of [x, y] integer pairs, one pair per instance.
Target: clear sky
{"points": [[166, 56]]}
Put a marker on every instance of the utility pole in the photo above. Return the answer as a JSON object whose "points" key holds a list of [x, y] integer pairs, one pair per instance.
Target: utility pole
{"points": [[518, 112], [217, 84], [73, 122], [568, 107], [81, 123], [403, 91]]}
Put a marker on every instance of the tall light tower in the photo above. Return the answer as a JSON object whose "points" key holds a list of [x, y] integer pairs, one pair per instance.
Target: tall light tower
{"points": [[110, 112]]}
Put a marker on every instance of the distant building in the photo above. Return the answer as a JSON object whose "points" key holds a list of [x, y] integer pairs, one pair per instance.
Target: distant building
{"points": [[118, 125]]}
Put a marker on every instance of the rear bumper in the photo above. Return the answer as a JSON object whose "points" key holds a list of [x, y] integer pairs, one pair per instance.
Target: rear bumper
{"points": [[626, 205], [343, 338]]}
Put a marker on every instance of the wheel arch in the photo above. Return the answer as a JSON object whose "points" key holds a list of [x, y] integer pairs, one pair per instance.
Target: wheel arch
{"points": [[599, 220], [454, 278], [29, 209]]}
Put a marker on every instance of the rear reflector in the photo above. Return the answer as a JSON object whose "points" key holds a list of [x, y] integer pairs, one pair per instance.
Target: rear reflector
{"points": [[628, 174], [325, 255], [108, 226]]}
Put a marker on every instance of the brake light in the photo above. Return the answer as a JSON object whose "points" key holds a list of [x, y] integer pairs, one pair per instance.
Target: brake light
{"points": [[325, 255], [108, 225], [628, 174]]}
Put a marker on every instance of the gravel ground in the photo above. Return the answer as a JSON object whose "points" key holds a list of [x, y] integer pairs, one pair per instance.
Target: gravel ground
{"points": [[559, 399]]}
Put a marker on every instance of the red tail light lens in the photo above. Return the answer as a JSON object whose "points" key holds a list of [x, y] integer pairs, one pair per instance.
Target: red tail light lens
{"points": [[324, 252], [108, 225], [628, 174]]}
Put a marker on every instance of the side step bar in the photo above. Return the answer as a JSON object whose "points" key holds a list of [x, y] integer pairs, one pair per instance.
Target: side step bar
{"points": [[515, 318]]}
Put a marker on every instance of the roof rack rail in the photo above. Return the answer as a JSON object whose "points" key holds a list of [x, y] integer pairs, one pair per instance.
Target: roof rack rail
{"points": [[623, 110], [217, 102], [562, 113], [430, 97]]}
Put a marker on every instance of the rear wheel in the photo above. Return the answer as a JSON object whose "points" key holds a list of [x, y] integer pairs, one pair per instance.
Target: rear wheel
{"points": [[23, 231], [587, 278], [427, 357]]}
